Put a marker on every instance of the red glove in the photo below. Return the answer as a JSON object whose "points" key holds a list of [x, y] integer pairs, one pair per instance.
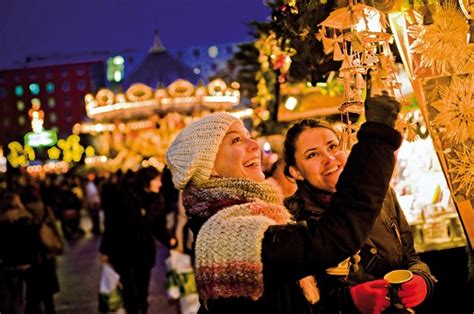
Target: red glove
{"points": [[370, 297], [414, 291]]}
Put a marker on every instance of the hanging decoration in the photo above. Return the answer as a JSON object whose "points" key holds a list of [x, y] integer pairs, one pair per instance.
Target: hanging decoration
{"points": [[462, 169], [442, 46], [455, 118], [356, 35]]}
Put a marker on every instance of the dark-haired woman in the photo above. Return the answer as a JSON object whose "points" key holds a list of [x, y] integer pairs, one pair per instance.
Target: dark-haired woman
{"points": [[314, 159], [128, 243]]}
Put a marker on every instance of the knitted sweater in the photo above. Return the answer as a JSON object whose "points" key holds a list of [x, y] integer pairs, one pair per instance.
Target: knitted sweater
{"points": [[228, 260]]}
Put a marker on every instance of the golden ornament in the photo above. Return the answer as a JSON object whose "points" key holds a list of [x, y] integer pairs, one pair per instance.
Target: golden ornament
{"points": [[443, 45], [462, 169], [456, 109]]}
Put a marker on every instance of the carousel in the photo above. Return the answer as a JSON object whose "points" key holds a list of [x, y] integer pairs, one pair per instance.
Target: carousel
{"points": [[133, 128]]}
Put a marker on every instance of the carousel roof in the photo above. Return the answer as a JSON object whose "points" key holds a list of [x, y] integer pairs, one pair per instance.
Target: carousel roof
{"points": [[159, 67]]}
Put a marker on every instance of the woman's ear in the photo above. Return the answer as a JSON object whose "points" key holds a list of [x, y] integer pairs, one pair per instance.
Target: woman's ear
{"points": [[295, 173]]}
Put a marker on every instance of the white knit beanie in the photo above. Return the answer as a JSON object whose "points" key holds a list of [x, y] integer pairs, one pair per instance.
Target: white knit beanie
{"points": [[192, 154]]}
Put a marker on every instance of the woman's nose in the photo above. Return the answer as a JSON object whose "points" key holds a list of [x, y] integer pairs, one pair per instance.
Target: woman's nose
{"points": [[252, 144], [329, 157]]}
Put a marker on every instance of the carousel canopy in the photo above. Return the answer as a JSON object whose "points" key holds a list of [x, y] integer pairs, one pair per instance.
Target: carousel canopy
{"points": [[159, 67]]}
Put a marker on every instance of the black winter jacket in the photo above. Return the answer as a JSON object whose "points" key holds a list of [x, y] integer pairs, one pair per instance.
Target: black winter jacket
{"points": [[132, 227], [291, 252], [389, 247]]}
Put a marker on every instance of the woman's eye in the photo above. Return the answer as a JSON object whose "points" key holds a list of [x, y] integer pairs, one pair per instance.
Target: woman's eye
{"points": [[332, 147], [312, 155], [235, 140]]}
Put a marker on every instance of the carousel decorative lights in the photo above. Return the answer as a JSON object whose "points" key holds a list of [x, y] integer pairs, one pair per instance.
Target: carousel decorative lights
{"points": [[135, 127], [180, 96]]}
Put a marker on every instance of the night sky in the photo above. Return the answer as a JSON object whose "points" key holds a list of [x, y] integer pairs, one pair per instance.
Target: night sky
{"points": [[55, 28]]}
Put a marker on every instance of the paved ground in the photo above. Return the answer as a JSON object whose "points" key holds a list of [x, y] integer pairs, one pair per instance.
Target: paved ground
{"points": [[79, 271]]}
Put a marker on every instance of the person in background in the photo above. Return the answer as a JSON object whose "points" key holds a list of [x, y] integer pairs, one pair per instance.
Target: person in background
{"points": [[68, 210], [128, 242], [314, 159], [248, 257], [277, 175], [42, 281], [19, 249], [92, 202]]}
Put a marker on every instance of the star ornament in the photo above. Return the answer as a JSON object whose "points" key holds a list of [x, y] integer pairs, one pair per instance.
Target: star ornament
{"points": [[443, 45], [462, 169], [456, 109]]}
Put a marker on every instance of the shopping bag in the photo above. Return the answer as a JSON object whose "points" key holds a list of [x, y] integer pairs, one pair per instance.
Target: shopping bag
{"points": [[50, 239], [110, 297], [180, 275]]}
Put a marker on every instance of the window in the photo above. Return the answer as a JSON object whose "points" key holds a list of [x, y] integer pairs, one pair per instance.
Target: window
{"points": [[196, 53], [34, 88], [51, 102], [3, 92], [53, 117], [115, 69], [48, 75], [81, 85], [19, 90], [64, 73], [66, 86], [20, 105], [21, 120], [213, 51], [50, 87], [80, 70]]}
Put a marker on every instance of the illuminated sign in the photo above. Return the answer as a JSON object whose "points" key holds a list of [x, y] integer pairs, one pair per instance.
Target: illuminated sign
{"points": [[44, 138]]}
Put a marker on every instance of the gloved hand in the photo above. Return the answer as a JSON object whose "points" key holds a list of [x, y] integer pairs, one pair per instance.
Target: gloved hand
{"points": [[382, 109], [370, 297], [414, 291]]}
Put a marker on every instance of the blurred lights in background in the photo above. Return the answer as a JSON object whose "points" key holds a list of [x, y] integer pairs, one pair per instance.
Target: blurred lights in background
{"points": [[291, 103]]}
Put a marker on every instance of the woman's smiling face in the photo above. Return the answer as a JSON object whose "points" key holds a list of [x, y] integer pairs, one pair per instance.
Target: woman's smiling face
{"points": [[239, 156], [318, 158]]}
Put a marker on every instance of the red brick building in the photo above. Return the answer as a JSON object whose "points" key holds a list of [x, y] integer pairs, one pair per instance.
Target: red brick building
{"points": [[60, 90]]}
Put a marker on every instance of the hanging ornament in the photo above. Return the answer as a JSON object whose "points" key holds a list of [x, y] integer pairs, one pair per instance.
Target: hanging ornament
{"points": [[360, 41], [462, 170], [456, 110], [442, 46]]}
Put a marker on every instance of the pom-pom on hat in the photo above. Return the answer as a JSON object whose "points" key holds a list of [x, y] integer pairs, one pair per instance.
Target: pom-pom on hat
{"points": [[192, 154]]}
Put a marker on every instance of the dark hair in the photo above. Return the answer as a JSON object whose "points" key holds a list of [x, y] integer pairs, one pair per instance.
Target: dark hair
{"points": [[292, 135], [145, 175]]}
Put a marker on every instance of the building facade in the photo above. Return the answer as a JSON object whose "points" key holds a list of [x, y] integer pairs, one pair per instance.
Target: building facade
{"points": [[59, 90]]}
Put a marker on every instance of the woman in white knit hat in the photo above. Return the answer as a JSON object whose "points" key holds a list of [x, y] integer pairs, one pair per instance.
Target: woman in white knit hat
{"points": [[249, 256]]}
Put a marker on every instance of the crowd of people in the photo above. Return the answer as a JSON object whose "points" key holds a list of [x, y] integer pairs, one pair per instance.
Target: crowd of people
{"points": [[316, 237]]}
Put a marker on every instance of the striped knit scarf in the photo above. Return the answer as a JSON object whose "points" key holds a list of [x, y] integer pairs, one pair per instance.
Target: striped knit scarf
{"points": [[228, 260]]}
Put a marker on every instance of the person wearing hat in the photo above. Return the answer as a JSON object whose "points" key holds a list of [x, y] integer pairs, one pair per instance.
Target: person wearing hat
{"points": [[249, 255]]}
